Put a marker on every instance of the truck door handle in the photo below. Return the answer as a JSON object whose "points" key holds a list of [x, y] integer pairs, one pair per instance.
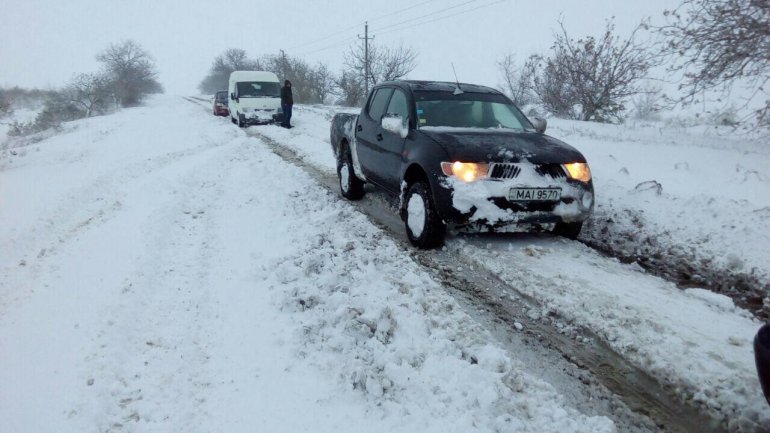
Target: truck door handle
{"points": [[359, 128], [379, 137]]}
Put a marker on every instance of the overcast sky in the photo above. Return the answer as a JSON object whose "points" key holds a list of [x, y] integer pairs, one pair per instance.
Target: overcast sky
{"points": [[46, 42]]}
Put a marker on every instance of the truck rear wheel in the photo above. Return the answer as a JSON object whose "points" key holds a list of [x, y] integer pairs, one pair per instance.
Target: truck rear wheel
{"points": [[351, 187], [424, 227]]}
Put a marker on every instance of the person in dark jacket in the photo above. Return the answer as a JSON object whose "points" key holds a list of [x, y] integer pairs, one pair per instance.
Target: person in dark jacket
{"points": [[287, 101]]}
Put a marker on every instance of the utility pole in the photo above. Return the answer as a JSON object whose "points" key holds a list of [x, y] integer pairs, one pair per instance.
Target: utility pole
{"points": [[367, 73]]}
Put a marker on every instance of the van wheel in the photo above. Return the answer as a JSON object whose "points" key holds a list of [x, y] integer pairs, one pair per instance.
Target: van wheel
{"points": [[232, 119], [351, 187], [240, 120], [424, 227]]}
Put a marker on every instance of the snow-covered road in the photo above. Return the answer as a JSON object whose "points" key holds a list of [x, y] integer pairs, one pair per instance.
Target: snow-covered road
{"points": [[160, 275], [166, 275]]}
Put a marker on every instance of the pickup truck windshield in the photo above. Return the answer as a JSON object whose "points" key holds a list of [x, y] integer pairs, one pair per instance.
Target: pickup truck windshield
{"points": [[468, 110], [258, 89]]}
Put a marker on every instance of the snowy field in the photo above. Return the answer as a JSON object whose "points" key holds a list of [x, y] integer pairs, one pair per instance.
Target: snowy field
{"points": [[166, 275], [696, 341]]}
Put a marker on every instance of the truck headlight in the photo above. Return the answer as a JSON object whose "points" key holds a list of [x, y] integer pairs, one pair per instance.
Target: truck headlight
{"points": [[465, 171], [578, 171]]}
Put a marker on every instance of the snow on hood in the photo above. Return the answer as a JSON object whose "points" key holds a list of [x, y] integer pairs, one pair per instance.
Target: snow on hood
{"points": [[501, 145]]}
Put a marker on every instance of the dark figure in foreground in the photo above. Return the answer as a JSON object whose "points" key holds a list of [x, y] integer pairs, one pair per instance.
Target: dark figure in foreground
{"points": [[287, 101], [762, 358]]}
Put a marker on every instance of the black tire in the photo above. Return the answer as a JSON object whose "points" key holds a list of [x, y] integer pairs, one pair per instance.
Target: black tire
{"points": [[232, 119], [351, 187], [241, 124], [433, 229], [568, 230]]}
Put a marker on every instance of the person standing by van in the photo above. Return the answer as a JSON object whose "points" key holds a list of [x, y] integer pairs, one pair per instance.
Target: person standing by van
{"points": [[287, 101]]}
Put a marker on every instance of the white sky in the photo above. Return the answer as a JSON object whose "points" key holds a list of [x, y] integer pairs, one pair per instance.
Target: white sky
{"points": [[52, 40]]}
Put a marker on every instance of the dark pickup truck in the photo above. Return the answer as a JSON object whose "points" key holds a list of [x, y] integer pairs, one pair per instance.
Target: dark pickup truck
{"points": [[460, 155]]}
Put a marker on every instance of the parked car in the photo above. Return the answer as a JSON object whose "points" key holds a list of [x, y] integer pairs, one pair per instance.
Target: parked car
{"points": [[220, 103], [255, 98], [460, 155]]}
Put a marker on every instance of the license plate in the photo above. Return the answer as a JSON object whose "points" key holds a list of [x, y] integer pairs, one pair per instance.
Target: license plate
{"points": [[534, 194]]}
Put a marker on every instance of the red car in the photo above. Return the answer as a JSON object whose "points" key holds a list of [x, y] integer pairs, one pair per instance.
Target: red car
{"points": [[220, 104]]}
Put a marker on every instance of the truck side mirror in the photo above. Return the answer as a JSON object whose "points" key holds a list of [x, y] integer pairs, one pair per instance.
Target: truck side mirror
{"points": [[539, 123], [232, 96], [395, 124]]}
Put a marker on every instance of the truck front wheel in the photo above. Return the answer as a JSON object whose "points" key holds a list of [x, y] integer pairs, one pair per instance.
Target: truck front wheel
{"points": [[352, 187], [424, 227]]}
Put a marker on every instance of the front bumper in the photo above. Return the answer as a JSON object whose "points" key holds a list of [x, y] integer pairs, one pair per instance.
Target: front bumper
{"points": [[262, 117], [486, 203]]}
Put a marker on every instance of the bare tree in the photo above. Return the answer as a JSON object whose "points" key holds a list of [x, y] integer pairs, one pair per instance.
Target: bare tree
{"points": [[5, 104], [717, 44], [89, 91], [350, 89], [310, 84], [385, 63], [551, 87], [601, 72], [647, 104], [131, 71], [516, 81], [322, 83], [232, 59], [589, 78]]}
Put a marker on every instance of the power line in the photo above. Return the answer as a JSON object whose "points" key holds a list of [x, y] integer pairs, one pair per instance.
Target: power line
{"points": [[400, 11], [428, 21], [317, 40], [378, 18], [423, 16]]}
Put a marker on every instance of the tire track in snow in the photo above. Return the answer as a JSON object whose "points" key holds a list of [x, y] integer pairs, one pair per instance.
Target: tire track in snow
{"points": [[485, 290]]}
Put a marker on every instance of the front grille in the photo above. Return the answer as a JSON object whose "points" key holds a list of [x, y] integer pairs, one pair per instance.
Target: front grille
{"points": [[512, 171], [554, 171], [505, 171]]}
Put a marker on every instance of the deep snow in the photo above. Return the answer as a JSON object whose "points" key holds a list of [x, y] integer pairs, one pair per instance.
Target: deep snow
{"points": [[695, 341], [166, 275], [160, 275]]}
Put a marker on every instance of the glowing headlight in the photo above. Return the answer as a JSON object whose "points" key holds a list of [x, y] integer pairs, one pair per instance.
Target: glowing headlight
{"points": [[578, 171], [465, 171]]}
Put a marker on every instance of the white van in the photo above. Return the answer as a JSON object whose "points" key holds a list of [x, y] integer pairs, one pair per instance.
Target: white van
{"points": [[255, 97]]}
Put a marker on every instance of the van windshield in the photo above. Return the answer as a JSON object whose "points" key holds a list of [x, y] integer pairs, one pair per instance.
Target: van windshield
{"points": [[258, 89]]}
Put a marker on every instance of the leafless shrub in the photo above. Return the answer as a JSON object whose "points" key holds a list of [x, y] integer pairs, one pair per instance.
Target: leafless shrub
{"points": [[232, 59], [385, 63], [516, 81], [131, 72], [349, 89], [590, 78], [647, 104], [718, 44], [91, 92]]}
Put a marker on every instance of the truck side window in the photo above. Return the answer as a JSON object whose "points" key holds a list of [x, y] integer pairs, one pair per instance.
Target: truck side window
{"points": [[378, 104], [398, 104]]}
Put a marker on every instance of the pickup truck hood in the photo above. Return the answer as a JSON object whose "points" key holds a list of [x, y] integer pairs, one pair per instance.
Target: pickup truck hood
{"points": [[495, 145]]}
